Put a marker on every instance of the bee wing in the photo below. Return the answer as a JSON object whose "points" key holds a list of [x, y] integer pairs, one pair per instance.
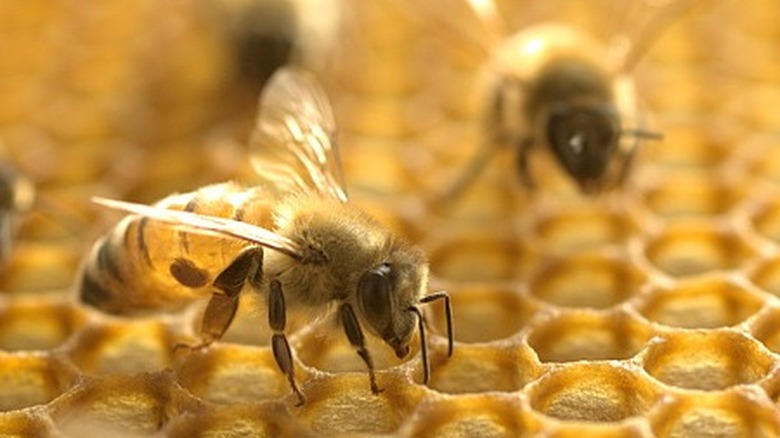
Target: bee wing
{"points": [[209, 225], [474, 26], [641, 23], [293, 145]]}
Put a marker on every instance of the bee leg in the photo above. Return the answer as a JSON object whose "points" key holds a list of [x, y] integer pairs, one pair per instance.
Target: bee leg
{"points": [[355, 336], [627, 165], [467, 176], [221, 308], [277, 319], [522, 164]]}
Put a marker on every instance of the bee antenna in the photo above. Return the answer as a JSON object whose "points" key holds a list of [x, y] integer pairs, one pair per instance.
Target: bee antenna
{"points": [[641, 133], [423, 344], [442, 295]]}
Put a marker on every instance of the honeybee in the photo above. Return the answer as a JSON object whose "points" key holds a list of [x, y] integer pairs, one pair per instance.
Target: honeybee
{"points": [[555, 88], [293, 238]]}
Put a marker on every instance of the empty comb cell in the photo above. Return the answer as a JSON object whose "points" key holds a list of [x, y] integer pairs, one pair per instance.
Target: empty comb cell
{"points": [[593, 392], [582, 335], [333, 404], [483, 312], [691, 193], [692, 248], [707, 361], [487, 254], [701, 303], [325, 347], [132, 405], [475, 368], [230, 375], [115, 346], [33, 379], [488, 417], [730, 414], [586, 227], [34, 323], [586, 280]]}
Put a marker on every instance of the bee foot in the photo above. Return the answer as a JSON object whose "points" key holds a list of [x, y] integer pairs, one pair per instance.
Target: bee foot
{"points": [[301, 399]]}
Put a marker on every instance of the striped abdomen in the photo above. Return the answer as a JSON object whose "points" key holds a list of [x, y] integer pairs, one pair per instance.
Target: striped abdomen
{"points": [[143, 265]]}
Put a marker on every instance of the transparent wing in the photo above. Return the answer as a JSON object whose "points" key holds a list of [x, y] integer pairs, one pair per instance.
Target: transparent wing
{"points": [[641, 23], [293, 146], [208, 225]]}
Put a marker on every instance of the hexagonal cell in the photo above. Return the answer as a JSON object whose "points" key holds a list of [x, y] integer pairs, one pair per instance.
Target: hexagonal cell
{"points": [[707, 361], [37, 323], [479, 368], [690, 193], [118, 405], [40, 266], [766, 329], [25, 423], [482, 312], [692, 248], [343, 404], [766, 275], [237, 421], [324, 346], [586, 227], [491, 253], [31, 379], [593, 392], [586, 280], [578, 336], [123, 346], [487, 417], [705, 302], [731, 414], [766, 220], [226, 374]]}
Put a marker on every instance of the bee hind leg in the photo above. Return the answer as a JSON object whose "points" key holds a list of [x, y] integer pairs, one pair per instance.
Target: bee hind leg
{"points": [[356, 338], [221, 308], [277, 319]]}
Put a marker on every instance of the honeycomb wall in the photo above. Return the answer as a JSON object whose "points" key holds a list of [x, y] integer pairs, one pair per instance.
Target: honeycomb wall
{"points": [[651, 311]]}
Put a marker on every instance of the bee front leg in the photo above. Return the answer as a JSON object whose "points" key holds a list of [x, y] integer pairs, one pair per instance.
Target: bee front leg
{"points": [[221, 308], [356, 338], [277, 319]]}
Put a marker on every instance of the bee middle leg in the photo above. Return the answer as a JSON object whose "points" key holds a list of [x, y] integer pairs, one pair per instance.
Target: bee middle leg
{"points": [[356, 338], [221, 308], [277, 319]]}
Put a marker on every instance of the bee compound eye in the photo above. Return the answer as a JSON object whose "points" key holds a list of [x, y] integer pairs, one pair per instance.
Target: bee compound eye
{"points": [[374, 290], [583, 139]]}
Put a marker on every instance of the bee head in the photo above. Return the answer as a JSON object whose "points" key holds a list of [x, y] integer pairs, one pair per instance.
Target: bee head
{"points": [[387, 293], [584, 138]]}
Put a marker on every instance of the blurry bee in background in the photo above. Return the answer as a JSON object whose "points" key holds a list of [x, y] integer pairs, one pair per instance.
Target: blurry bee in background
{"points": [[556, 88], [17, 195], [294, 239], [267, 34]]}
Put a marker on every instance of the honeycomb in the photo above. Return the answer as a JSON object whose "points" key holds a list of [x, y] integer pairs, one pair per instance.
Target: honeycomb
{"points": [[651, 311]]}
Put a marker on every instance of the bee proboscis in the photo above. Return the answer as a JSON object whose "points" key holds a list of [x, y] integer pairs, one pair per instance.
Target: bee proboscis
{"points": [[293, 238]]}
